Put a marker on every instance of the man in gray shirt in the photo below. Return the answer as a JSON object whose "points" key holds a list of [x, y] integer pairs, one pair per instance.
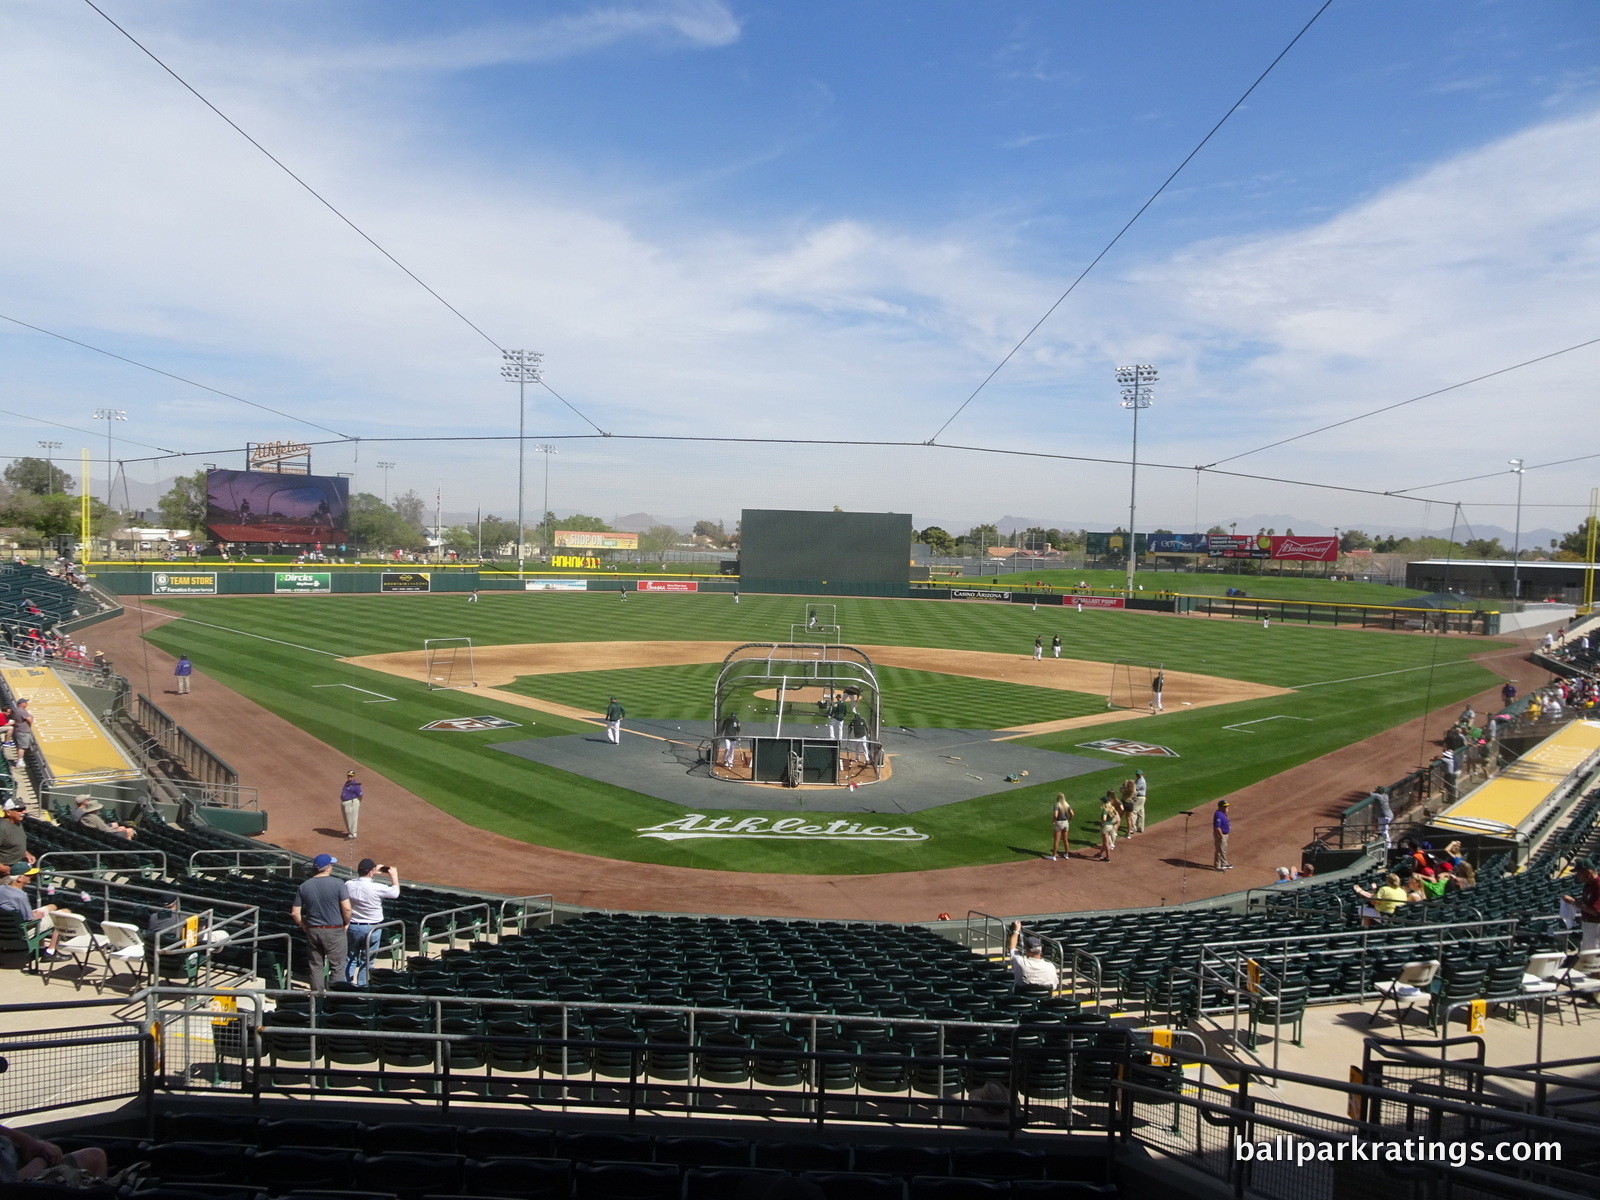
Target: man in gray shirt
{"points": [[322, 909]]}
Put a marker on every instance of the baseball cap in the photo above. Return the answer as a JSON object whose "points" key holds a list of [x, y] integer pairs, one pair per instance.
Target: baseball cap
{"points": [[1222, 804], [168, 899], [24, 868], [1033, 943], [323, 860], [350, 774], [15, 805], [365, 865]]}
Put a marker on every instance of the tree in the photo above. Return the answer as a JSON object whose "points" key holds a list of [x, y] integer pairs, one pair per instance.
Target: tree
{"points": [[980, 536], [1574, 547], [1487, 548], [712, 530], [580, 523], [1351, 539], [1216, 529], [38, 477], [376, 526], [938, 541], [657, 540], [412, 509], [184, 505]]}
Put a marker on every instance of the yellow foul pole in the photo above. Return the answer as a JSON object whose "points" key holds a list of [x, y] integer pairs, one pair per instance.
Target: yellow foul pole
{"points": [[1588, 576], [85, 553]]}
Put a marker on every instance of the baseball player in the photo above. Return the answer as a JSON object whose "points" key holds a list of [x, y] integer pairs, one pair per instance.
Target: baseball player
{"points": [[1157, 686], [614, 714], [1055, 646], [1038, 648], [836, 719]]}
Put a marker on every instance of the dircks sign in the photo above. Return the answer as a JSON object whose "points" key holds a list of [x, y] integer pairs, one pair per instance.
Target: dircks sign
{"points": [[696, 825]]}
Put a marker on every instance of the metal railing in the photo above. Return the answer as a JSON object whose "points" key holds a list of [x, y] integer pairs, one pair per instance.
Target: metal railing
{"points": [[520, 912], [71, 862], [454, 929], [233, 861], [201, 764]]}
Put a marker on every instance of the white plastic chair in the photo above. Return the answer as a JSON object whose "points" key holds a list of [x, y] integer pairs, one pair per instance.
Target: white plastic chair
{"points": [[1411, 986], [76, 942], [122, 943]]}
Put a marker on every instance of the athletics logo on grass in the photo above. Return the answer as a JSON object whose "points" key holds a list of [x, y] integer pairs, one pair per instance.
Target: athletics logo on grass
{"points": [[787, 828], [1131, 748], [470, 724]]}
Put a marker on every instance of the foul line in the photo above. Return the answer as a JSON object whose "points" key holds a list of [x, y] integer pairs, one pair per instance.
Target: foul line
{"points": [[381, 698], [1277, 717], [260, 637], [1378, 675]]}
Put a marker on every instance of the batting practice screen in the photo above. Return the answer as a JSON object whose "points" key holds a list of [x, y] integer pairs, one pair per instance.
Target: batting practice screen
{"points": [[854, 553]]}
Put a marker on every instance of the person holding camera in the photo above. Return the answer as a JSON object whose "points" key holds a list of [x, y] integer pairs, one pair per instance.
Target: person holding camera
{"points": [[367, 895]]}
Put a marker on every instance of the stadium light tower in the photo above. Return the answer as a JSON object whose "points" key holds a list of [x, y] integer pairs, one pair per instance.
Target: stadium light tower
{"points": [[1516, 537], [547, 451], [522, 368], [109, 415], [385, 467], [1136, 384], [50, 449]]}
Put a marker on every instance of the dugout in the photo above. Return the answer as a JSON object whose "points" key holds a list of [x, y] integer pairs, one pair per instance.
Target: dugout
{"points": [[825, 553], [1491, 579]]}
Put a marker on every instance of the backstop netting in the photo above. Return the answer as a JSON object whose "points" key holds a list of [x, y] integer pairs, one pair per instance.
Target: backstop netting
{"points": [[1133, 684], [448, 664]]}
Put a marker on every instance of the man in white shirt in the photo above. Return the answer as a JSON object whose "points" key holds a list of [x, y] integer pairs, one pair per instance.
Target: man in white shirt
{"points": [[367, 895], [1029, 965]]}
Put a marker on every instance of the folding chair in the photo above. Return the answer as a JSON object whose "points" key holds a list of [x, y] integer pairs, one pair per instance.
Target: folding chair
{"points": [[75, 942], [1580, 978], [121, 943], [1410, 986]]}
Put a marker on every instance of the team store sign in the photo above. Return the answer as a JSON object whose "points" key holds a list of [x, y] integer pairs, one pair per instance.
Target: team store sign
{"points": [[697, 825]]}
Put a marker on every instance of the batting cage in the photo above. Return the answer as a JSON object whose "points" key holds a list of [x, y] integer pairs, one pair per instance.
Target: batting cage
{"points": [[797, 712]]}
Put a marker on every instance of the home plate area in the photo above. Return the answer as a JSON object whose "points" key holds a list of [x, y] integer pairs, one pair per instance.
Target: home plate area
{"points": [[928, 768]]}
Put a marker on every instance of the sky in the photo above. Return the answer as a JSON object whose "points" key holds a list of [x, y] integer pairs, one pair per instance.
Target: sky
{"points": [[825, 221]]}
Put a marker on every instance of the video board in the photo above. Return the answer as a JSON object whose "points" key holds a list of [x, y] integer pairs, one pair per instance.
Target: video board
{"points": [[264, 506]]}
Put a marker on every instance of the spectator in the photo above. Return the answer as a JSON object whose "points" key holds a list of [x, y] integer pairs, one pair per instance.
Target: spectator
{"points": [[1221, 827], [322, 910], [13, 838], [13, 896], [1587, 902], [21, 727], [1385, 810], [366, 914], [1125, 796], [1141, 793], [87, 813], [1382, 901], [1030, 966], [24, 1157], [1306, 871], [1285, 875], [1463, 878]]}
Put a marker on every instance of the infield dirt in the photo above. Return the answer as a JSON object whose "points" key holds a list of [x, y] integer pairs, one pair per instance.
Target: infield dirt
{"points": [[496, 666]]}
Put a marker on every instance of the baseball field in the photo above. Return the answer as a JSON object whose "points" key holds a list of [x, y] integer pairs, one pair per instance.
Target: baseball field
{"points": [[1260, 701]]}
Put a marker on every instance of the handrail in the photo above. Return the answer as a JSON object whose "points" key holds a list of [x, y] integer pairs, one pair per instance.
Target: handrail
{"points": [[96, 856], [237, 858], [453, 930], [522, 903]]}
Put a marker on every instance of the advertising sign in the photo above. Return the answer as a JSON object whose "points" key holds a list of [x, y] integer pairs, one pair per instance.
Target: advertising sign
{"points": [[1266, 545], [1096, 601], [1306, 549], [806, 829], [569, 561], [978, 594], [1099, 545], [298, 582], [555, 585], [469, 724], [163, 584], [668, 585], [587, 539], [1176, 543], [265, 506], [405, 581]]}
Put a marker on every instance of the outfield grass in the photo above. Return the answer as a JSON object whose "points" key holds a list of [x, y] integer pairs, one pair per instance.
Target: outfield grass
{"points": [[1351, 684], [917, 699]]}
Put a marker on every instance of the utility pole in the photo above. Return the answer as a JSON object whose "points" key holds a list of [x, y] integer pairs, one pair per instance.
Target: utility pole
{"points": [[108, 415], [522, 368]]}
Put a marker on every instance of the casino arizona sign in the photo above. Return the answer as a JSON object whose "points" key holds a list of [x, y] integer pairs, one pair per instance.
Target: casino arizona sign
{"points": [[697, 825]]}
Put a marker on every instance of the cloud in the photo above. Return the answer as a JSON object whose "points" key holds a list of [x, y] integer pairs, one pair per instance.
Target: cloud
{"points": [[148, 226]]}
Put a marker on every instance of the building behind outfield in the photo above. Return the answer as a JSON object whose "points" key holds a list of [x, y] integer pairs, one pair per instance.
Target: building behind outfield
{"points": [[1492, 578], [826, 553]]}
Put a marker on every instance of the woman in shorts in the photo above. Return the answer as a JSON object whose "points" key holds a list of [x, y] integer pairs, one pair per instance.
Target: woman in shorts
{"points": [[1110, 818], [1061, 826]]}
